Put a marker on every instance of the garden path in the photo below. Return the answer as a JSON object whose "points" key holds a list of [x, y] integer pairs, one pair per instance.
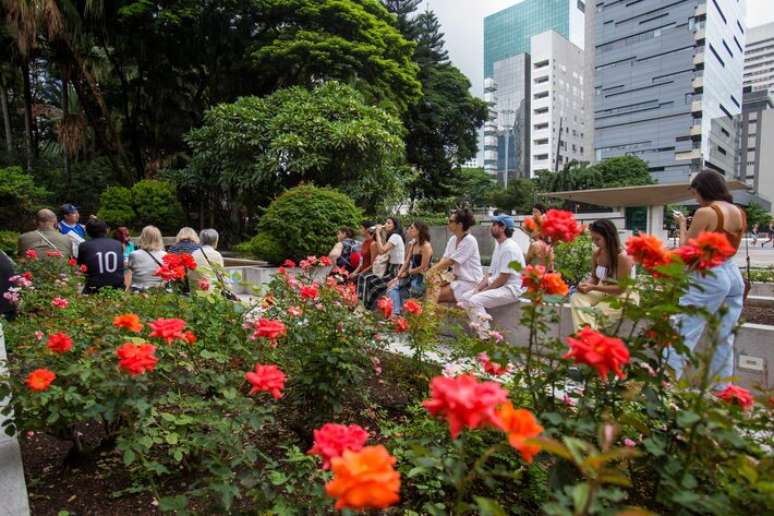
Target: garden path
{"points": [[12, 486]]}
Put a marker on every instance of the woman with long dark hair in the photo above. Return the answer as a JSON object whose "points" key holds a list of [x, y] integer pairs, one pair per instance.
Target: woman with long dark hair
{"points": [[392, 251], [610, 266], [410, 280], [721, 286]]}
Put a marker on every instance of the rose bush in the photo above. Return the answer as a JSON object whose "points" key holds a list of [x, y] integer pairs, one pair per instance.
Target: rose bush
{"points": [[293, 400]]}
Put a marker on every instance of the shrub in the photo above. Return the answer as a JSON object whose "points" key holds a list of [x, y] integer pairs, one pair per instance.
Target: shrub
{"points": [[19, 197], [155, 202], [573, 259], [263, 247], [304, 220], [8, 240], [116, 207]]}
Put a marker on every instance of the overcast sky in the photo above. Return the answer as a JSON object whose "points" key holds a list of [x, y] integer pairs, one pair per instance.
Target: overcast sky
{"points": [[463, 24]]}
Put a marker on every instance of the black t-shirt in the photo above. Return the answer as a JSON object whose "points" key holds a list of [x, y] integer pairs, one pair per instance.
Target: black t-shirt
{"points": [[104, 260], [6, 271]]}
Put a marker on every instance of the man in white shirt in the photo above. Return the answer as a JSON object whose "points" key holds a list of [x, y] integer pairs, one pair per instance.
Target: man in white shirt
{"points": [[502, 285]]}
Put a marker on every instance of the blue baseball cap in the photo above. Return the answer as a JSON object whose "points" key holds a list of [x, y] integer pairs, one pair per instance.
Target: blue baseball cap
{"points": [[69, 208], [505, 220]]}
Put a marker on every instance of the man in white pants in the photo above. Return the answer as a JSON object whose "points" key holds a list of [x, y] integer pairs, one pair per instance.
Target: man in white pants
{"points": [[502, 285]]}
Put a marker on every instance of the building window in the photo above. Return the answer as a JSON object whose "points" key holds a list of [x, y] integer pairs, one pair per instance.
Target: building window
{"points": [[721, 13], [714, 53], [721, 150]]}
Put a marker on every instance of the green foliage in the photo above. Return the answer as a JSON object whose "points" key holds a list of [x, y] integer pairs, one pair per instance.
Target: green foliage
{"points": [[757, 215], [304, 220], [155, 202], [327, 136], [474, 187], [8, 241], [443, 124], [518, 197], [20, 197], [116, 206], [608, 173], [264, 247], [573, 259]]}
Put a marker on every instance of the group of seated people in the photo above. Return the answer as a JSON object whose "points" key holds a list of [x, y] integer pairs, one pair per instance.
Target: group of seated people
{"points": [[116, 262], [383, 265]]}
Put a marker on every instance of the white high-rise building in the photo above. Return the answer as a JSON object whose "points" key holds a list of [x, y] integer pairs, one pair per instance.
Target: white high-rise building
{"points": [[559, 104], [759, 58]]}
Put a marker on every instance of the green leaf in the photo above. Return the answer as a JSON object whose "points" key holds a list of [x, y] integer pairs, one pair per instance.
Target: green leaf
{"points": [[173, 503], [687, 418], [129, 456], [172, 438], [488, 507], [580, 496]]}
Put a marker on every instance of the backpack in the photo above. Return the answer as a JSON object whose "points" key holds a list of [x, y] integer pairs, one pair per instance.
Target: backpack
{"points": [[350, 255]]}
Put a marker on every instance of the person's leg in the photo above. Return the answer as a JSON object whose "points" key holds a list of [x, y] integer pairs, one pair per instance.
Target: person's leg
{"points": [[722, 364], [395, 297], [581, 309], [476, 305], [708, 292]]}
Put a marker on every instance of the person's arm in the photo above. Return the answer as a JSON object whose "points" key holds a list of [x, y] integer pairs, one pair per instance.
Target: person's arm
{"points": [[383, 247], [624, 268], [336, 251], [703, 220], [586, 286], [443, 264]]}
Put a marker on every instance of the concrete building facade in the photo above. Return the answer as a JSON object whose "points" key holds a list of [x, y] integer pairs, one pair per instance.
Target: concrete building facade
{"points": [[558, 111], [507, 77], [668, 83], [756, 151], [759, 58]]}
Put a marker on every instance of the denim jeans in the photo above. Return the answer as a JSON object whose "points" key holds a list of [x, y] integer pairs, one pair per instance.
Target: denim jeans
{"points": [[722, 287], [398, 295]]}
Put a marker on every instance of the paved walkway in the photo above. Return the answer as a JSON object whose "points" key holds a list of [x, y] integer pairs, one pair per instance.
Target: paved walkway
{"points": [[13, 489]]}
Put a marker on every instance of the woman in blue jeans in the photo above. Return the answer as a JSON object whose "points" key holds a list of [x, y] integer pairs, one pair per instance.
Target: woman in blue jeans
{"points": [[410, 280], [721, 286]]}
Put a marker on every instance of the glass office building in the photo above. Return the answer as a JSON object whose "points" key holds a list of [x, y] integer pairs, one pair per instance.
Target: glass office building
{"points": [[668, 83], [507, 39]]}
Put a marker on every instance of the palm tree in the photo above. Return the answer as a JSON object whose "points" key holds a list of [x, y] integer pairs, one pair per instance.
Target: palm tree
{"points": [[24, 17]]}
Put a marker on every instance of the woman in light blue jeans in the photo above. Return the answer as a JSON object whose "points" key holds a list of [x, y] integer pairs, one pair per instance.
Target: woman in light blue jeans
{"points": [[720, 291], [410, 280]]}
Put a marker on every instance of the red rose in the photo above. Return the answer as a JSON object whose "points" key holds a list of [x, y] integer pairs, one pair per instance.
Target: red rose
{"points": [[465, 402], [32, 254], [290, 264], [203, 284], [189, 337], [59, 343], [647, 250], [168, 273], [599, 351], [400, 325], [412, 306], [331, 440], [384, 304], [325, 261], [492, 368], [309, 291], [54, 254], [733, 394], [40, 379], [83, 268], [708, 250], [135, 359], [167, 329], [268, 378], [72, 261], [269, 329], [560, 226]]}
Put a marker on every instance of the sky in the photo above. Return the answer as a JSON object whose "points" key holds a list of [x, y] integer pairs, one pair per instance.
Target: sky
{"points": [[463, 24]]}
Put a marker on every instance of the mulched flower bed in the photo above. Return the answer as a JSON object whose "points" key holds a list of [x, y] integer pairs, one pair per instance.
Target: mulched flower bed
{"points": [[99, 484], [758, 315]]}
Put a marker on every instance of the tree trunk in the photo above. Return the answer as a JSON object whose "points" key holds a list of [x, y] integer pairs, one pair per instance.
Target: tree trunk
{"points": [[6, 117], [94, 108], [65, 112], [25, 69]]}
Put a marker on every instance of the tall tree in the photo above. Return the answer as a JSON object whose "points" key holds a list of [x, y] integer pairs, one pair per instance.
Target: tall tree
{"points": [[443, 124]]}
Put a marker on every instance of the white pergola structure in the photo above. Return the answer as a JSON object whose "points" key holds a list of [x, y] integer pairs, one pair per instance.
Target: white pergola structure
{"points": [[652, 197]]}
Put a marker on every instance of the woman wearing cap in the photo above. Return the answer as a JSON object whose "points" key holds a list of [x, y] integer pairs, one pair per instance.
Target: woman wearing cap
{"points": [[462, 256]]}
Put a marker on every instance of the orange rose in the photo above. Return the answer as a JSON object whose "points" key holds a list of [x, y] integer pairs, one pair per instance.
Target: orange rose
{"points": [[364, 480], [520, 425], [129, 321]]}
